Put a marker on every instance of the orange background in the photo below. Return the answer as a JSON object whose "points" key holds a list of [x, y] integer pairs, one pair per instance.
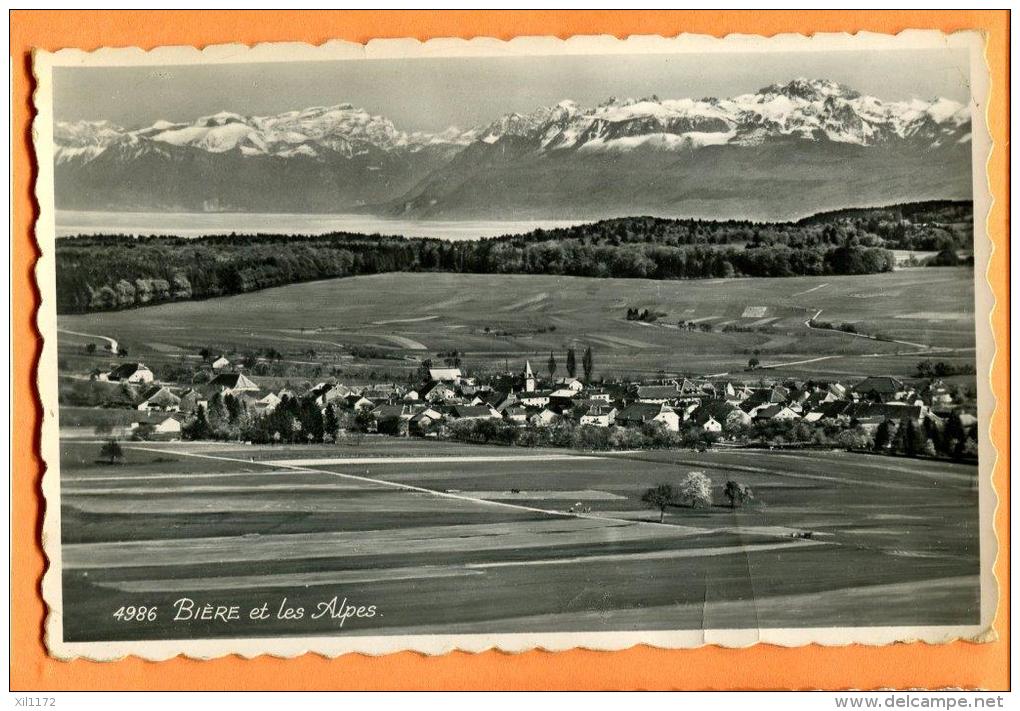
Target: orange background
{"points": [[763, 667]]}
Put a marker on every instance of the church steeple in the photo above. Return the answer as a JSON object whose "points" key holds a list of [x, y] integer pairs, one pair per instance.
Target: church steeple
{"points": [[529, 378]]}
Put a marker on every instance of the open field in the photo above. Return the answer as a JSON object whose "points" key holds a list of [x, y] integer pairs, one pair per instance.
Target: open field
{"points": [[492, 319], [445, 537]]}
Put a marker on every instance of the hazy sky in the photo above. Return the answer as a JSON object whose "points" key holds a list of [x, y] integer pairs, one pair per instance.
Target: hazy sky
{"points": [[433, 94]]}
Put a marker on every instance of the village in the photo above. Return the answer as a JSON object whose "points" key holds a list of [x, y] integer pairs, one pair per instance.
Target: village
{"points": [[883, 414]]}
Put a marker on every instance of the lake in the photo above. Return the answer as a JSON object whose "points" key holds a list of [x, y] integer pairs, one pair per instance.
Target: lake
{"points": [[189, 224]]}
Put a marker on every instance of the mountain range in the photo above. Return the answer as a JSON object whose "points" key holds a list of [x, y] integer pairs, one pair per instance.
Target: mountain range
{"points": [[782, 152]]}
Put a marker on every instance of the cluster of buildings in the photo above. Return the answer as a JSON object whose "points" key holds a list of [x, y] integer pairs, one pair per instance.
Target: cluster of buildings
{"points": [[450, 396]]}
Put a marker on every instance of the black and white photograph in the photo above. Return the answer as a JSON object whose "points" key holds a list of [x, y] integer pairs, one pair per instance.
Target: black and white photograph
{"points": [[533, 344]]}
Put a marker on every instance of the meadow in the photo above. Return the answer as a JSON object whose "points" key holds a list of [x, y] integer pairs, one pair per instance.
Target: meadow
{"points": [[444, 537], [393, 321]]}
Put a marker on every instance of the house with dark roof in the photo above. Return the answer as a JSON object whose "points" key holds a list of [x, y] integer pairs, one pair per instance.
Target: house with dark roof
{"points": [[642, 413], [776, 413], [190, 400], [871, 414], [880, 388], [473, 412], [358, 402], [159, 399], [131, 373], [425, 422], [499, 399], [721, 411], [325, 393], [827, 410], [657, 394], [760, 399], [396, 419], [438, 392], [232, 384]]}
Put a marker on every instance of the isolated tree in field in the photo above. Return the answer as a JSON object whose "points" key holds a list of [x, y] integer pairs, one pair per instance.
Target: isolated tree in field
{"points": [[571, 362], [737, 494], [588, 363], [551, 365], [111, 451], [660, 497], [205, 354], [753, 363], [90, 348], [695, 490]]}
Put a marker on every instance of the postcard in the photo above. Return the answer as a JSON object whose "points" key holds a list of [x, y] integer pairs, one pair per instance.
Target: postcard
{"points": [[468, 345]]}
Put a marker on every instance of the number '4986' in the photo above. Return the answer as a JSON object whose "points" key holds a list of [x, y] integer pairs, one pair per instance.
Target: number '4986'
{"points": [[136, 613]]}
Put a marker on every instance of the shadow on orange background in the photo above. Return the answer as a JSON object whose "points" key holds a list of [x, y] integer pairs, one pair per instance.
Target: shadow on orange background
{"points": [[764, 667]]}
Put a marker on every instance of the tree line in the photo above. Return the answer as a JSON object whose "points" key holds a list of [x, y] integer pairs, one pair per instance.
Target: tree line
{"points": [[108, 272]]}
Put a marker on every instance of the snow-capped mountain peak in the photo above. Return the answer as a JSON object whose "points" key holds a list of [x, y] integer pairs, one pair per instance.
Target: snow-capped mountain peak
{"points": [[804, 109], [622, 154], [342, 128]]}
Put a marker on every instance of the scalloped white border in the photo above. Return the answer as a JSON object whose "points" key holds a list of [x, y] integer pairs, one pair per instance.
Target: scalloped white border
{"points": [[42, 132]]}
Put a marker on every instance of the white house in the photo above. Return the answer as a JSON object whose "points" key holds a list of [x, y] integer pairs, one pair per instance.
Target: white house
{"points": [[599, 416], [268, 403], [712, 425], [670, 419], [169, 426], [641, 413], [544, 418], [160, 399], [776, 413], [445, 375], [534, 398], [571, 384], [563, 394], [232, 384], [220, 363], [131, 373], [439, 392], [359, 403]]}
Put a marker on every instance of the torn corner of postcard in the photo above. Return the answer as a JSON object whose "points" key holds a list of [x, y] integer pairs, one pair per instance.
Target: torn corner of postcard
{"points": [[529, 344]]}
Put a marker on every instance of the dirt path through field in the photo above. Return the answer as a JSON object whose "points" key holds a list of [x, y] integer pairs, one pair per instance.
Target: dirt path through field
{"points": [[278, 464], [808, 291], [114, 346], [922, 346]]}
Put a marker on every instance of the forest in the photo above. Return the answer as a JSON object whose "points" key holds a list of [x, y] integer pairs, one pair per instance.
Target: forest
{"points": [[109, 272]]}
